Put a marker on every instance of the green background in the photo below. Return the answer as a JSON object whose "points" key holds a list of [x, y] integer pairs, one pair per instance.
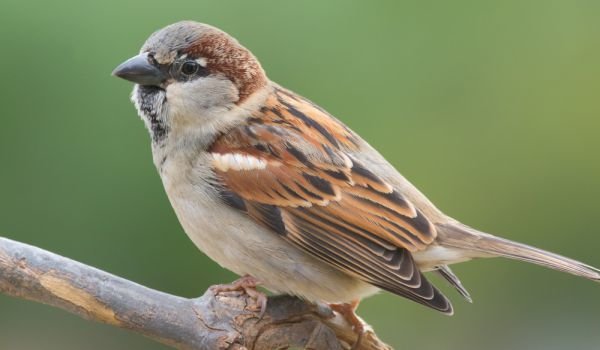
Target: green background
{"points": [[490, 107]]}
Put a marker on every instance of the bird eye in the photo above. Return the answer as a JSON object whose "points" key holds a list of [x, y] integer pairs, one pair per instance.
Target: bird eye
{"points": [[190, 67]]}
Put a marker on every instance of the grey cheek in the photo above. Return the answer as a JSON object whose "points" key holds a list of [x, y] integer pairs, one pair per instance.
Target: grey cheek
{"points": [[214, 92], [201, 96]]}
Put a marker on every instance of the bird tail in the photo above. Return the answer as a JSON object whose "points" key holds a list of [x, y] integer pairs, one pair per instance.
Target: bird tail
{"points": [[481, 244]]}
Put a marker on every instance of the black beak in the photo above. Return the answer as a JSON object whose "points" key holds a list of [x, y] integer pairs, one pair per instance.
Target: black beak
{"points": [[140, 70]]}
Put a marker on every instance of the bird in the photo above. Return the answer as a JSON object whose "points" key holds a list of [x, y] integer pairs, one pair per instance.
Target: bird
{"points": [[277, 190]]}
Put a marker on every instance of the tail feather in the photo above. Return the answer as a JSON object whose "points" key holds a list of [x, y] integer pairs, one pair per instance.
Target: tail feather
{"points": [[448, 275], [486, 245]]}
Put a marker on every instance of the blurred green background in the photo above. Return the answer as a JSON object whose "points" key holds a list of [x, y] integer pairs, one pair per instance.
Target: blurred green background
{"points": [[490, 107]]}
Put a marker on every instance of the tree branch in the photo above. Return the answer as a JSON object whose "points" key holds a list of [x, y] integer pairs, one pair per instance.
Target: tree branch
{"points": [[209, 322]]}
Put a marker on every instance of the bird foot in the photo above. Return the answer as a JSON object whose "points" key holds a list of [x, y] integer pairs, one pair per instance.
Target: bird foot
{"points": [[348, 311], [246, 284]]}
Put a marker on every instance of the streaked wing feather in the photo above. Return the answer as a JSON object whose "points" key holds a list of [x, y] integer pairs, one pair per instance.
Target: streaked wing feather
{"points": [[289, 168]]}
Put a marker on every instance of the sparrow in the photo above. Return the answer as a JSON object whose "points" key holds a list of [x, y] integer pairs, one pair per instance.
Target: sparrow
{"points": [[274, 188]]}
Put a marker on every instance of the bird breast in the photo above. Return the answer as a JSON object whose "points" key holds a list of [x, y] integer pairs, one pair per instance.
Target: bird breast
{"points": [[239, 244]]}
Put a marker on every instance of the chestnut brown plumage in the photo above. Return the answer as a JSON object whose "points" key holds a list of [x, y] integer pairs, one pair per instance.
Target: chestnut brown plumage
{"points": [[270, 185]]}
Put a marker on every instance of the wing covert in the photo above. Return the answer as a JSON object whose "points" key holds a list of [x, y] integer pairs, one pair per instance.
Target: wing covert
{"points": [[290, 169]]}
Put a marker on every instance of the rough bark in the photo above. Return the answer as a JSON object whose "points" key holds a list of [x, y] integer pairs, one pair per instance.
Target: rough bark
{"points": [[209, 322]]}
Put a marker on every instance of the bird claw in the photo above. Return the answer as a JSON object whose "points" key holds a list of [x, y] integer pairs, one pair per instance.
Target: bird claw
{"points": [[247, 285], [347, 311]]}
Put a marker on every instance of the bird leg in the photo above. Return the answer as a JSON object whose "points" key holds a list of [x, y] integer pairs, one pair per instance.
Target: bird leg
{"points": [[348, 311], [245, 284]]}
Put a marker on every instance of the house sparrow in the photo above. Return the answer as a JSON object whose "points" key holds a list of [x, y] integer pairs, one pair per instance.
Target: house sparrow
{"points": [[274, 188]]}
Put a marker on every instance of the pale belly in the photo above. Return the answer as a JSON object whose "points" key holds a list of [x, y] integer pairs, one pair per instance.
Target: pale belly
{"points": [[436, 255], [239, 244], [244, 247]]}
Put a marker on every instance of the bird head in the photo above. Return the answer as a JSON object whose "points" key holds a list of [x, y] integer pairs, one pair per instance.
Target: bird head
{"points": [[189, 75]]}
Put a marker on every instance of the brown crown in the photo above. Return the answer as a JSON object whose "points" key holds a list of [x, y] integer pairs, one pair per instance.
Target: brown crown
{"points": [[225, 55]]}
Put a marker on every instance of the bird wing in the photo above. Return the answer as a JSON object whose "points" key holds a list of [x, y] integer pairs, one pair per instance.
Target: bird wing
{"points": [[291, 169]]}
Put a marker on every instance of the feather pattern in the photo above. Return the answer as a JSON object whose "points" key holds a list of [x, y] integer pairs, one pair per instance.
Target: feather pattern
{"points": [[290, 168]]}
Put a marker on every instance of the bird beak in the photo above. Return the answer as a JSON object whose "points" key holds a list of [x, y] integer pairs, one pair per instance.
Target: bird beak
{"points": [[140, 70]]}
